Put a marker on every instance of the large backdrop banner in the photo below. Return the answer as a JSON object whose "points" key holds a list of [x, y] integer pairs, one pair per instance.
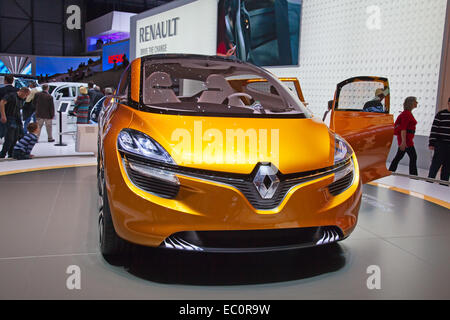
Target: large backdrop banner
{"points": [[263, 32]]}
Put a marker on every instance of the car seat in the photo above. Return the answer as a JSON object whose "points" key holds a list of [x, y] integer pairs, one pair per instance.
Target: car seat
{"points": [[160, 90], [218, 90]]}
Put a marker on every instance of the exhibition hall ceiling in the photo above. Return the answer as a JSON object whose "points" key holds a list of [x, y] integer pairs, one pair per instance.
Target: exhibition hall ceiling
{"points": [[39, 27]]}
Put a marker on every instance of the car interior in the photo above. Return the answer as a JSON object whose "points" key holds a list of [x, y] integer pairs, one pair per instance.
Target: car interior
{"points": [[215, 86]]}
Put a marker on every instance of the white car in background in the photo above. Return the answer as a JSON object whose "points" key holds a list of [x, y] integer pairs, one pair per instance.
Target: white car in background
{"points": [[65, 92], [19, 81]]}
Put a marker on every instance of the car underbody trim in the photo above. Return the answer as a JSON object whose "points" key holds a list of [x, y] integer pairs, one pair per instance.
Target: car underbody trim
{"points": [[252, 240]]}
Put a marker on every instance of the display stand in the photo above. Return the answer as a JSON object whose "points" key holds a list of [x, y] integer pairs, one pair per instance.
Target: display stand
{"points": [[62, 108]]}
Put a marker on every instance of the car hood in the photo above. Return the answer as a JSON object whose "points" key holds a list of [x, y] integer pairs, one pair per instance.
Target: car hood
{"points": [[237, 145]]}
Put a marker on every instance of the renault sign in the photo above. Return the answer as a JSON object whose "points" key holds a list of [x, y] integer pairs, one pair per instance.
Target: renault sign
{"points": [[175, 28]]}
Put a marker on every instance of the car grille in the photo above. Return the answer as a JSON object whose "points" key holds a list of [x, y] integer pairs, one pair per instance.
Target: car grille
{"points": [[249, 191], [242, 182], [341, 185]]}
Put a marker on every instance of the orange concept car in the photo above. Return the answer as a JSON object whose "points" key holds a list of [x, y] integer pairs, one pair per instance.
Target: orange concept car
{"points": [[206, 153]]}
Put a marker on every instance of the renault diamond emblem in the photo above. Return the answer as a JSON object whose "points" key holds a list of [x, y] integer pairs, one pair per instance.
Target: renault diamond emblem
{"points": [[266, 181]]}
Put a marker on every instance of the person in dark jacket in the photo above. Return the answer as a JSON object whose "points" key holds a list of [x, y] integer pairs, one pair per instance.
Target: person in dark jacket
{"points": [[91, 90], [8, 88], [10, 107], [376, 104], [94, 97], [99, 105], [45, 111], [439, 142], [28, 111]]}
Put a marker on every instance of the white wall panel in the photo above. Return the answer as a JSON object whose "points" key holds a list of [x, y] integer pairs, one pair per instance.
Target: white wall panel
{"points": [[336, 43]]}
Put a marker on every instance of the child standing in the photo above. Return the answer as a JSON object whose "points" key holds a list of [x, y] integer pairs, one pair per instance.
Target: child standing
{"points": [[23, 147]]}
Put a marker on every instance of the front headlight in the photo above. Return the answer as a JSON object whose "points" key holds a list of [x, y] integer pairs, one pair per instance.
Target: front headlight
{"points": [[343, 177], [147, 175], [344, 171], [139, 143], [342, 150]]}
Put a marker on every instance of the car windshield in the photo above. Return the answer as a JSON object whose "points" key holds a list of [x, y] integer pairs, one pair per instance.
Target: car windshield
{"points": [[217, 87]]}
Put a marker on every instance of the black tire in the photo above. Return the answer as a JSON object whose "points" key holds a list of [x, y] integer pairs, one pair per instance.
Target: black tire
{"points": [[100, 175], [113, 248]]}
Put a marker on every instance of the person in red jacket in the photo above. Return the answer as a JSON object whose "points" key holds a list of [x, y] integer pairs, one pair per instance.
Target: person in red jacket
{"points": [[405, 128]]}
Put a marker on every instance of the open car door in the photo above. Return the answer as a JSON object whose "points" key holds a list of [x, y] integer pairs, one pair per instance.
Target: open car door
{"points": [[361, 116]]}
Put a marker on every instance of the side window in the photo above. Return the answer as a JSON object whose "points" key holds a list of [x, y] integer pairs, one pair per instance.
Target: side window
{"points": [[263, 87], [122, 89], [51, 89], [291, 86], [367, 96], [267, 95], [74, 91], [294, 87], [64, 92]]}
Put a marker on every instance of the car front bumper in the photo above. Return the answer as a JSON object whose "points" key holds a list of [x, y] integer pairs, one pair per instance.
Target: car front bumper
{"points": [[205, 211]]}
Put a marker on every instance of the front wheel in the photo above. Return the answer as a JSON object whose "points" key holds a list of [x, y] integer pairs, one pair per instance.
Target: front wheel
{"points": [[112, 247]]}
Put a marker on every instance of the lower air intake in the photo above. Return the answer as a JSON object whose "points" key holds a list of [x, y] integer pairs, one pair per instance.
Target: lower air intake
{"points": [[341, 185], [252, 240], [329, 235]]}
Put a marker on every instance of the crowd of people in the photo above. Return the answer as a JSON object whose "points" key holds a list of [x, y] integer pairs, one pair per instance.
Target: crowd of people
{"points": [[26, 110], [87, 100]]}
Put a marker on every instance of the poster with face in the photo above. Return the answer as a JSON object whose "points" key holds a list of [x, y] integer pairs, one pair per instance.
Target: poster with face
{"points": [[263, 32]]}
